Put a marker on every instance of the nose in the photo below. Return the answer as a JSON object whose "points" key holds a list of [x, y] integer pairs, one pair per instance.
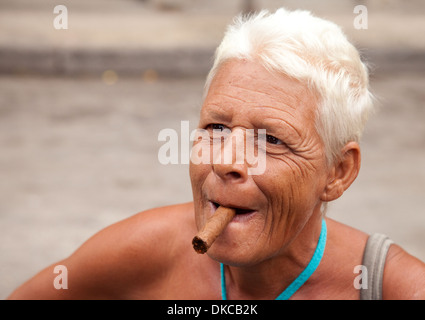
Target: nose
{"points": [[229, 161]]}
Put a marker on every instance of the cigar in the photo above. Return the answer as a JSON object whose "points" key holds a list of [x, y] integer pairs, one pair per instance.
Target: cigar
{"points": [[212, 229]]}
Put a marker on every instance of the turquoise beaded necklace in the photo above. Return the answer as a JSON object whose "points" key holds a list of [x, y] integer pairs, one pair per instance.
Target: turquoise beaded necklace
{"points": [[304, 275]]}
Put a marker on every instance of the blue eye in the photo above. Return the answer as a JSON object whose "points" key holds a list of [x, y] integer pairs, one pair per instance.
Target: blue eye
{"points": [[273, 140]]}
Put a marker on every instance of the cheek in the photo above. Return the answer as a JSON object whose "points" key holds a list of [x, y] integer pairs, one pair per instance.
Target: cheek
{"points": [[302, 177], [293, 190], [198, 174], [282, 181]]}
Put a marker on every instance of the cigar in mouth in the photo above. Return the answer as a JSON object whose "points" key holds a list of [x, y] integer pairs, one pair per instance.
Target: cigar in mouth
{"points": [[214, 226]]}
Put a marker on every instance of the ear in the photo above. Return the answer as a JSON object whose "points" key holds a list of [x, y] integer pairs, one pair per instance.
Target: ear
{"points": [[343, 172]]}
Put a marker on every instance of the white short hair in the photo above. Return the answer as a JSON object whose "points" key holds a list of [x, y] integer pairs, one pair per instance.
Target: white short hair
{"points": [[315, 52]]}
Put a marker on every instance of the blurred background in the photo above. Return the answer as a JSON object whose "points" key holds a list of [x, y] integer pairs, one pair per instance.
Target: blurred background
{"points": [[81, 109]]}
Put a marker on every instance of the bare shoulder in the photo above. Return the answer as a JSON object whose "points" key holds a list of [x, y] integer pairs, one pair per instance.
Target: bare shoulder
{"points": [[345, 241], [119, 259], [140, 242], [336, 274], [404, 276]]}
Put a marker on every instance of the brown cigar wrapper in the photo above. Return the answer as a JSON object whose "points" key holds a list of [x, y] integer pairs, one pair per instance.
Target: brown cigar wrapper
{"points": [[214, 226]]}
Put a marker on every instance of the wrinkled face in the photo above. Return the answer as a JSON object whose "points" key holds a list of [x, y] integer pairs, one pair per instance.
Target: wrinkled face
{"points": [[272, 207]]}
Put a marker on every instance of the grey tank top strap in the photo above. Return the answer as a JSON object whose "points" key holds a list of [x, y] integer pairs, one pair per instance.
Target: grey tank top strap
{"points": [[374, 258]]}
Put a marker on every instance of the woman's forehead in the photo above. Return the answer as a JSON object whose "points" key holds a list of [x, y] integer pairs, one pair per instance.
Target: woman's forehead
{"points": [[240, 84]]}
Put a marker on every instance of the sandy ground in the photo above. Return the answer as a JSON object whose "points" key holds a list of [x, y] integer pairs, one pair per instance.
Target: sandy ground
{"points": [[78, 154]]}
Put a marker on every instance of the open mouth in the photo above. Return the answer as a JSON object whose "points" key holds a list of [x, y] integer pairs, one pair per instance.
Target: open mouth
{"points": [[238, 210]]}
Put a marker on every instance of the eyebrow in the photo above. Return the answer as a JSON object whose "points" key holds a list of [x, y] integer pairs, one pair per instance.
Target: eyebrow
{"points": [[217, 111], [281, 127]]}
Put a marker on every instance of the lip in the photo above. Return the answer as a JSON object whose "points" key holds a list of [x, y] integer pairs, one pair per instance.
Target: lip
{"points": [[243, 213]]}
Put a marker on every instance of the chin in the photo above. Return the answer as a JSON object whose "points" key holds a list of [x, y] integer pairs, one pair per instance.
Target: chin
{"points": [[235, 256]]}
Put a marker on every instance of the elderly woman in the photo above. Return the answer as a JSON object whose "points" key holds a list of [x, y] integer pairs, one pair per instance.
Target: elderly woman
{"points": [[298, 78]]}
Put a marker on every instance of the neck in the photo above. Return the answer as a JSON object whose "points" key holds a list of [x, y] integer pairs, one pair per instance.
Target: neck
{"points": [[269, 278]]}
